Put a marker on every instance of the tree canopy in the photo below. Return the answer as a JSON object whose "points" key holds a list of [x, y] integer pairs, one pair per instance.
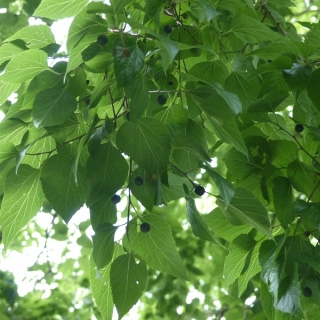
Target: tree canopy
{"points": [[193, 127]]}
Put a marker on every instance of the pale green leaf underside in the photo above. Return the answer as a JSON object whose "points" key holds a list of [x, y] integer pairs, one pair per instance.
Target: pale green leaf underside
{"points": [[25, 66], [22, 200], [53, 9]]}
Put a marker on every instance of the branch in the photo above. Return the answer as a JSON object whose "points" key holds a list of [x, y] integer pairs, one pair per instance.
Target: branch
{"points": [[268, 12]]}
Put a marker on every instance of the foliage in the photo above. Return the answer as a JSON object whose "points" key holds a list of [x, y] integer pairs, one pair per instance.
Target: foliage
{"points": [[203, 117]]}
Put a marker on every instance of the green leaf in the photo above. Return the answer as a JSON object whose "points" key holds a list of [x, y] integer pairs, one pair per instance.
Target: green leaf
{"points": [[203, 10], [22, 200], [128, 61], [239, 165], [222, 227], [35, 37], [83, 31], [101, 286], [313, 90], [245, 208], [8, 51], [103, 244], [174, 116], [7, 152], [282, 152], [225, 187], [147, 141], [107, 171], [283, 200], [269, 102], [99, 91], [59, 9], [186, 143], [53, 107], [198, 226], [6, 89], [138, 93], [157, 247], [128, 281], [210, 71], [65, 196], [25, 66], [43, 81], [219, 116], [251, 30], [289, 295], [107, 167], [12, 131], [251, 268], [246, 89], [302, 178], [239, 250], [146, 192]]}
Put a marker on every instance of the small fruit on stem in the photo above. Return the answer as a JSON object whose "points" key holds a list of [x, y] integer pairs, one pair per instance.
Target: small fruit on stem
{"points": [[199, 190], [138, 181], [298, 128], [145, 227], [115, 199], [162, 99], [167, 29], [307, 292], [102, 40]]}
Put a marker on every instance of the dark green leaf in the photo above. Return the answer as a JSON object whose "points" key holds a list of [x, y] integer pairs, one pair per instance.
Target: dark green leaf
{"points": [[22, 200], [128, 280], [245, 208], [147, 141], [283, 201], [225, 187], [157, 247], [53, 107], [198, 226], [103, 244], [62, 192]]}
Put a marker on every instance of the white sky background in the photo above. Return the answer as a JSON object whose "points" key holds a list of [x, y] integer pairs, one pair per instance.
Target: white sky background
{"points": [[18, 263]]}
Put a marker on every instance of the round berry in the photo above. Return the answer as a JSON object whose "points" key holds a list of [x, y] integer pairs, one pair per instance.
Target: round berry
{"points": [[162, 99], [170, 83], [167, 29], [145, 227], [307, 292], [138, 181], [307, 233], [298, 128], [115, 199], [102, 40], [199, 190]]}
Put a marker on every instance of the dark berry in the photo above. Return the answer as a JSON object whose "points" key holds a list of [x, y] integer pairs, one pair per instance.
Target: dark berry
{"points": [[170, 83], [167, 29], [307, 292], [145, 227], [298, 128], [199, 190], [102, 40], [162, 99], [138, 181], [128, 117], [307, 233], [185, 16], [115, 199]]}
